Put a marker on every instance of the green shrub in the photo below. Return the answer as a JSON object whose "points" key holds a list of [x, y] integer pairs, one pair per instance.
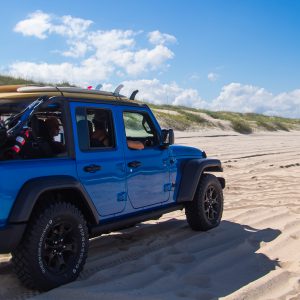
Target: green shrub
{"points": [[241, 126], [177, 122], [184, 119], [266, 125], [194, 118], [281, 126], [8, 80]]}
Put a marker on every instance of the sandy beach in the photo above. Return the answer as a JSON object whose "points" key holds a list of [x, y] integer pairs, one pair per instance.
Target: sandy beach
{"points": [[253, 254]]}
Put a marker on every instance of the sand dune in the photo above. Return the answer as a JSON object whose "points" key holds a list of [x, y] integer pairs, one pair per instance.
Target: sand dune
{"points": [[253, 254]]}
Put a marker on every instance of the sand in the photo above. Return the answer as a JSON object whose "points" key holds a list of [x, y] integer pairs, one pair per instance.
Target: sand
{"points": [[253, 254]]}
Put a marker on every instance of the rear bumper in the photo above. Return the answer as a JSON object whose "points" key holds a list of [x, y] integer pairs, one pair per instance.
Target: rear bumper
{"points": [[10, 237]]}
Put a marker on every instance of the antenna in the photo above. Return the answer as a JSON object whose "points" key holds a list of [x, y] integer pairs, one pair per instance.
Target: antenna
{"points": [[133, 94], [118, 89], [99, 87]]}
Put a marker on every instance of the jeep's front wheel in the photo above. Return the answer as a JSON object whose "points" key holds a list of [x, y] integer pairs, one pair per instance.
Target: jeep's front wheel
{"points": [[205, 211], [54, 248]]}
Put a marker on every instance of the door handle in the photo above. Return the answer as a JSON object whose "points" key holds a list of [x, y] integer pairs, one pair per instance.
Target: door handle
{"points": [[134, 164], [92, 168]]}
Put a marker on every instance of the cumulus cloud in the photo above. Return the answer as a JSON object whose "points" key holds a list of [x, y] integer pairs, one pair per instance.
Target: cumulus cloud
{"points": [[285, 104], [40, 25], [148, 59], [100, 54], [82, 74], [233, 97], [37, 24], [248, 98], [212, 76], [77, 49], [153, 91], [156, 38], [70, 26], [103, 53]]}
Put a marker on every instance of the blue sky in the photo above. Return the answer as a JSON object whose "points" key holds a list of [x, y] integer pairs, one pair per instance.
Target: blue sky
{"points": [[231, 55]]}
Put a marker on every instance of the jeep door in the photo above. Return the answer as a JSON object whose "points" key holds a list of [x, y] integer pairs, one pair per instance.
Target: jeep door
{"points": [[99, 156], [148, 179]]}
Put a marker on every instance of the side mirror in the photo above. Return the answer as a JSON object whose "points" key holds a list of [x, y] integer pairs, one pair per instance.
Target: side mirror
{"points": [[167, 137]]}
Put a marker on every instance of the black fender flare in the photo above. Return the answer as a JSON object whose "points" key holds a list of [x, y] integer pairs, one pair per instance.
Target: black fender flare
{"points": [[192, 171], [32, 190]]}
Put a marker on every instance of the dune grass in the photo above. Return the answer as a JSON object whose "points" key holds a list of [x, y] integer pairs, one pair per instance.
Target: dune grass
{"points": [[244, 123], [8, 80], [184, 118]]}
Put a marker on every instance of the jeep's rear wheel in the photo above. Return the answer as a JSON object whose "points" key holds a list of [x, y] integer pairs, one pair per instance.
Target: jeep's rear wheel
{"points": [[205, 211], [54, 248]]}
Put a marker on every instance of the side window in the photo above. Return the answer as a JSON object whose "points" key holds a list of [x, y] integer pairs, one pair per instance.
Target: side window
{"points": [[140, 131], [47, 135], [95, 128]]}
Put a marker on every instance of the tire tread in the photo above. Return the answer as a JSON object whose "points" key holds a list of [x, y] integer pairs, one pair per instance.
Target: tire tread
{"points": [[22, 255]]}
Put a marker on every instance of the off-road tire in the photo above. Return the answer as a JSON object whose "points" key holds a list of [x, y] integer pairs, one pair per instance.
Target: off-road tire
{"points": [[54, 248], [204, 212]]}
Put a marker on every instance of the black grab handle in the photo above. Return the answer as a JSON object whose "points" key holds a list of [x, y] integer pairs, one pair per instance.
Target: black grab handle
{"points": [[92, 168], [134, 164]]}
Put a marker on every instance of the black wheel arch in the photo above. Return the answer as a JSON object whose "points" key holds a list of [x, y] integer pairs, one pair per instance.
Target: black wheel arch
{"points": [[31, 192], [192, 171]]}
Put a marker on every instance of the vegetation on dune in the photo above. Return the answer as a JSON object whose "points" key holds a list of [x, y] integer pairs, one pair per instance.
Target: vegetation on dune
{"points": [[194, 117], [241, 126], [244, 123], [8, 80], [185, 118], [177, 122]]}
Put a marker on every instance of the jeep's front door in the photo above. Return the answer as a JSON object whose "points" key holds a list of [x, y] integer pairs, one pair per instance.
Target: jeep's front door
{"points": [[99, 156], [148, 179]]}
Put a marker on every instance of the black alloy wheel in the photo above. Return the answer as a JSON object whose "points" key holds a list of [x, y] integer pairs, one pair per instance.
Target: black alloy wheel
{"points": [[60, 248], [204, 212], [212, 203], [54, 248]]}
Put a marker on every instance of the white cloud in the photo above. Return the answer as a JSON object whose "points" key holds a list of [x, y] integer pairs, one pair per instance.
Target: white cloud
{"points": [[233, 97], [40, 25], [103, 53], [248, 98], [77, 49], [243, 98], [286, 104], [70, 27], [212, 76], [100, 54], [145, 59], [90, 71], [157, 38], [37, 24], [105, 41], [153, 91]]}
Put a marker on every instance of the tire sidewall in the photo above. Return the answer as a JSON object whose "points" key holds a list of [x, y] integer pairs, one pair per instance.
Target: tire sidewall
{"points": [[48, 221]]}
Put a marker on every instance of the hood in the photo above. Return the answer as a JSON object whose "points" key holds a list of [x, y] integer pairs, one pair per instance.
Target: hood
{"points": [[186, 151]]}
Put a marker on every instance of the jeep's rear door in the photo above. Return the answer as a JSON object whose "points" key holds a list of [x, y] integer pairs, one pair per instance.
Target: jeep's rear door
{"points": [[99, 156], [148, 178]]}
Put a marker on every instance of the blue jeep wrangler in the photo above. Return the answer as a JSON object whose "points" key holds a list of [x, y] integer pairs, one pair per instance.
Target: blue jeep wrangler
{"points": [[78, 163]]}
